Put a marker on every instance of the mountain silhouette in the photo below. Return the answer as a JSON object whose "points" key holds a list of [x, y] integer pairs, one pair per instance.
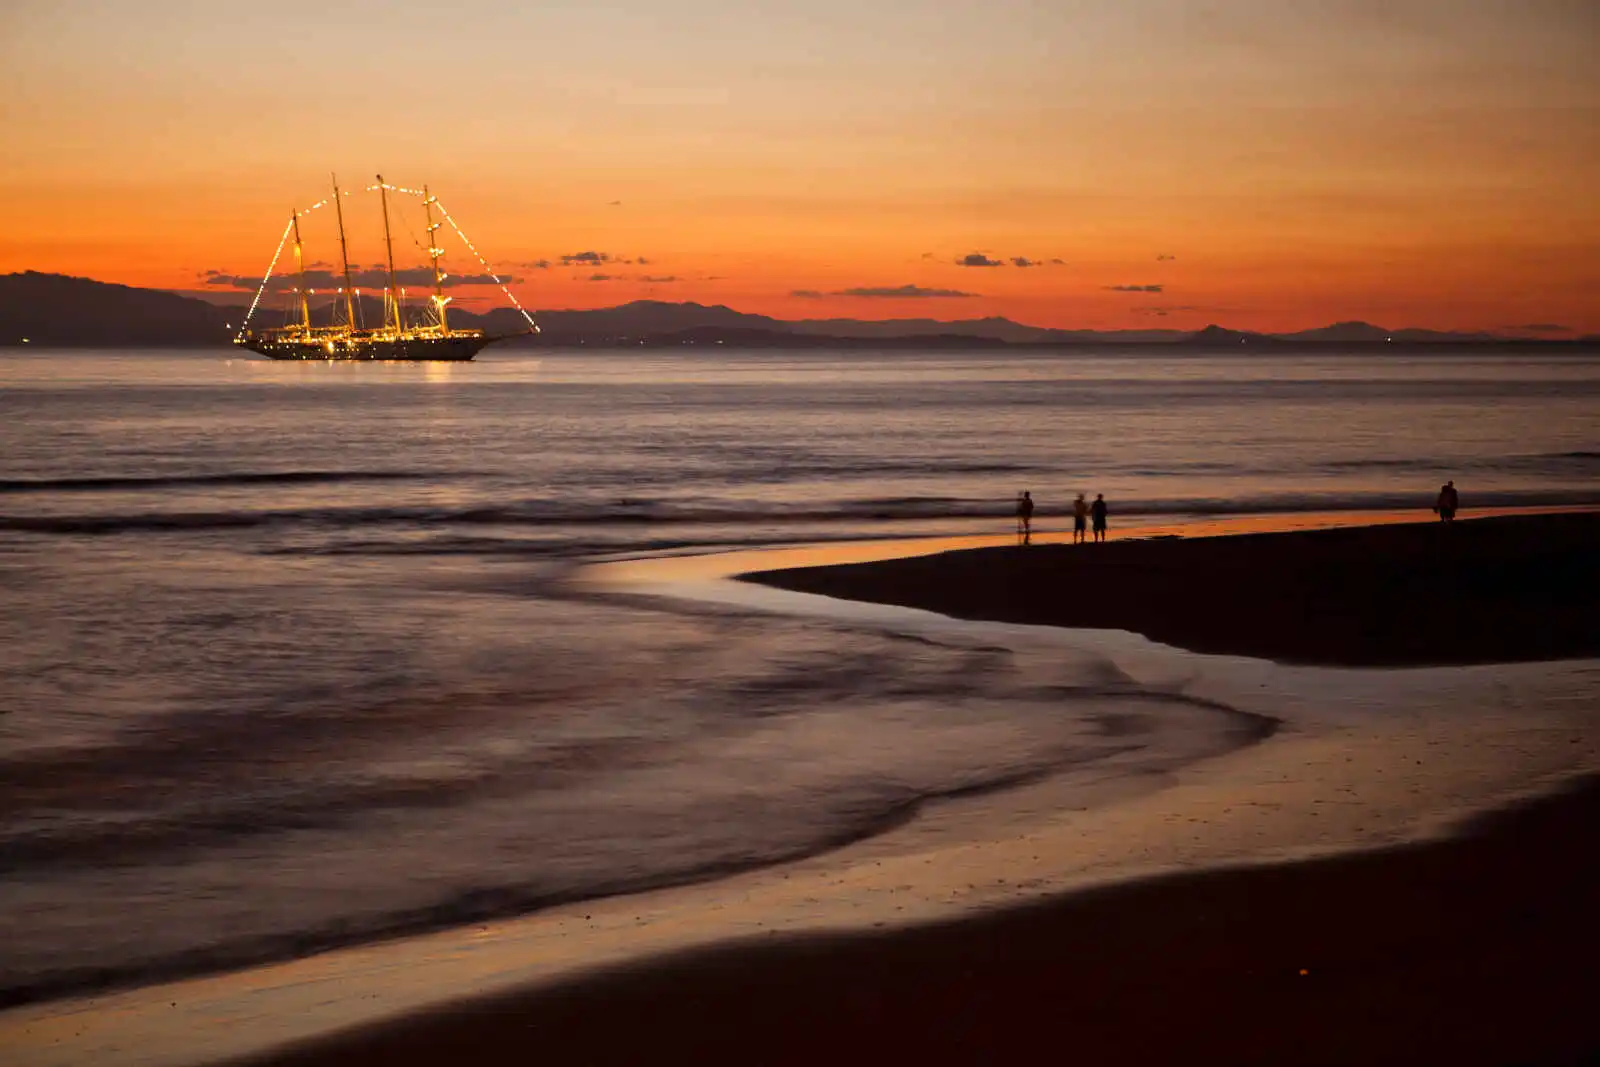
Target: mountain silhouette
{"points": [[1367, 333], [1219, 336], [60, 310], [1348, 332], [55, 309]]}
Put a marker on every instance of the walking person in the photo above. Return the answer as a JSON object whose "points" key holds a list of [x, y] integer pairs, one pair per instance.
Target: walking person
{"points": [[1025, 517], [1448, 502], [1080, 519], [1097, 512]]}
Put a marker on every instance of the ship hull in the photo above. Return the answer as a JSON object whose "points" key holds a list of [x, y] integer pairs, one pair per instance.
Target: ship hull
{"points": [[369, 350]]}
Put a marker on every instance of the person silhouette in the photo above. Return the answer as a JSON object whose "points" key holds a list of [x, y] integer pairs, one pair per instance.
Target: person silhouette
{"points": [[1080, 519], [1447, 503], [1097, 512], [1025, 517]]}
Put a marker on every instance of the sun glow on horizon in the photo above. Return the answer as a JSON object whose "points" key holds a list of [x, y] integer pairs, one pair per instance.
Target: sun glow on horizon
{"points": [[1134, 165]]}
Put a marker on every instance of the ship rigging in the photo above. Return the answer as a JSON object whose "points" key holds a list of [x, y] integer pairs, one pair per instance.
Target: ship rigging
{"points": [[406, 334]]}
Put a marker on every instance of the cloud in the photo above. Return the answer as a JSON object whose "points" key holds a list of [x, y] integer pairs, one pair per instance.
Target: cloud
{"points": [[535, 264], [1134, 288], [1541, 327], [658, 279], [885, 292], [1172, 309], [369, 278], [1164, 258], [905, 291], [1058, 262], [600, 277], [980, 259], [613, 203], [596, 259], [642, 261]]}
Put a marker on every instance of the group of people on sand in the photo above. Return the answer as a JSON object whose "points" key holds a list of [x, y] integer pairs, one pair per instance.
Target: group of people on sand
{"points": [[1083, 513]]}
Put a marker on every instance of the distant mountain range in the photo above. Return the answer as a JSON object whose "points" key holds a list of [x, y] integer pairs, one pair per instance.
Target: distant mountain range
{"points": [[63, 311]]}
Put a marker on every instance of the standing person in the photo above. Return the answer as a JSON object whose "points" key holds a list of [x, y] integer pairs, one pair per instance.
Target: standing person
{"points": [[1025, 517], [1097, 512], [1448, 502], [1080, 519]]}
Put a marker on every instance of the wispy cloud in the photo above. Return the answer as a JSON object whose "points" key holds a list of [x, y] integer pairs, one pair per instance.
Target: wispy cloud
{"points": [[601, 277], [1164, 258], [885, 292], [983, 259], [1163, 310], [660, 279], [1134, 288], [592, 258]]}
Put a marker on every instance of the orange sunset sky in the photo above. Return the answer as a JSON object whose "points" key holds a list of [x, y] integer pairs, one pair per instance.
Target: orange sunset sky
{"points": [[1267, 165]]}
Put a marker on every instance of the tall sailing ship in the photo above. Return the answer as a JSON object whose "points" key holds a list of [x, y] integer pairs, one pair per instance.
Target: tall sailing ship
{"points": [[416, 333]]}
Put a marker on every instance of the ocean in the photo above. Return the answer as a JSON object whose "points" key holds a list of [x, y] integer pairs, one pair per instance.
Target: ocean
{"points": [[290, 656]]}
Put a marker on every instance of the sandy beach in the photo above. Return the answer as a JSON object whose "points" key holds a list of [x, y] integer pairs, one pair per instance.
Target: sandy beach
{"points": [[1329, 891], [1474, 950], [1470, 949], [1492, 590], [654, 628]]}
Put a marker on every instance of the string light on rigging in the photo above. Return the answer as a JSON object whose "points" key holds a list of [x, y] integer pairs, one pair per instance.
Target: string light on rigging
{"points": [[398, 338], [264, 278]]}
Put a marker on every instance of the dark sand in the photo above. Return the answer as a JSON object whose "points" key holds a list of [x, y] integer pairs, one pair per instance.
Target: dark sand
{"points": [[1481, 949], [1501, 589]]}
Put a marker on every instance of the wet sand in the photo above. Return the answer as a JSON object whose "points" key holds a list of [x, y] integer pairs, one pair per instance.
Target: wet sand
{"points": [[1474, 950], [1493, 590], [1166, 924]]}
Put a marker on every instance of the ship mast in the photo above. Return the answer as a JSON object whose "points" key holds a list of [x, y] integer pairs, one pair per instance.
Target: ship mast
{"points": [[300, 266], [344, 259], [393, 296], [434, 252]]}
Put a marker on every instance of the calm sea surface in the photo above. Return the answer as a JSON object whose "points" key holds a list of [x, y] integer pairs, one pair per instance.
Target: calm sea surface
{"points": [[287, 658]]}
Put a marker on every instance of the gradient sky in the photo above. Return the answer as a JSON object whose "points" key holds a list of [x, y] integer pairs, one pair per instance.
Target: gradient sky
{"points": [[1266, 164]]}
